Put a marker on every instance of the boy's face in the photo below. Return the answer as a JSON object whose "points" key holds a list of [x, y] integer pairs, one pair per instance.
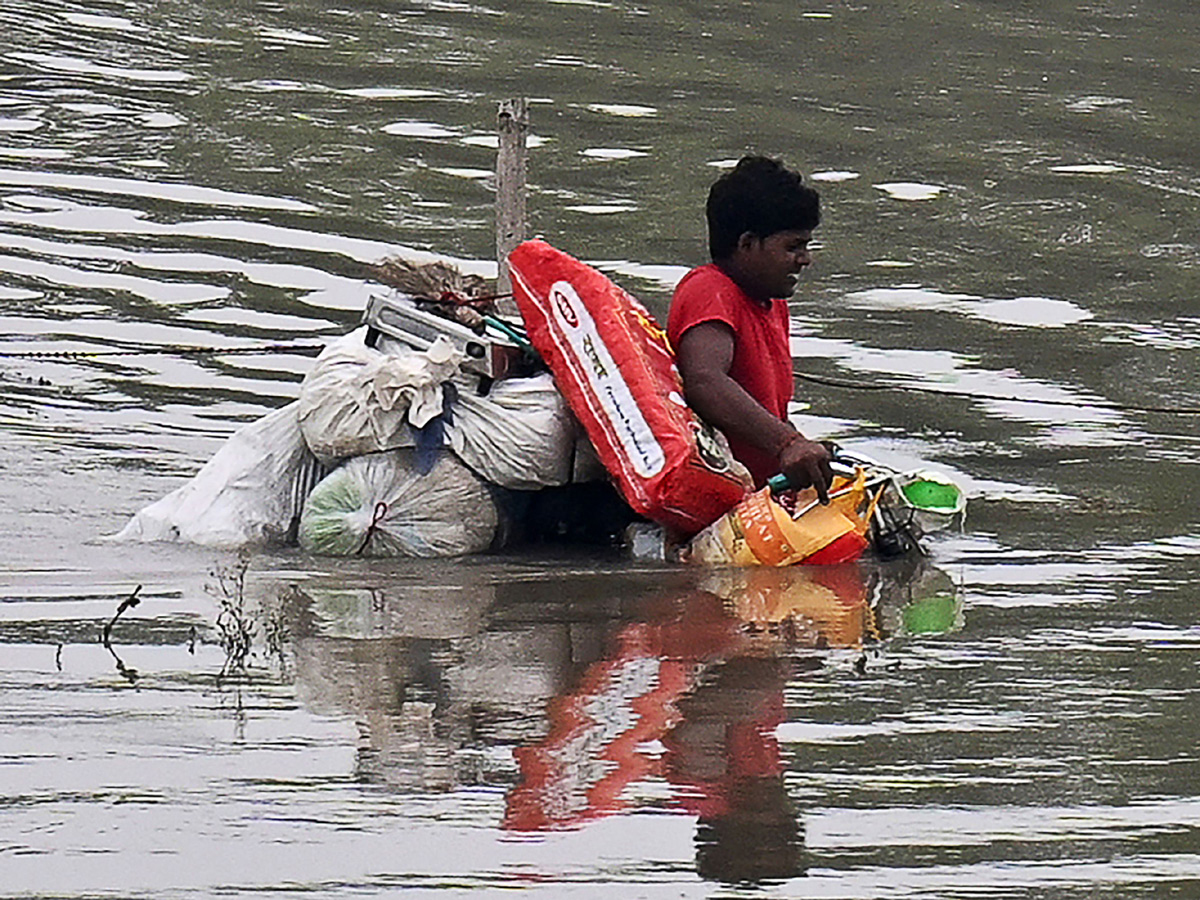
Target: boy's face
{"points": [[771, 265]]}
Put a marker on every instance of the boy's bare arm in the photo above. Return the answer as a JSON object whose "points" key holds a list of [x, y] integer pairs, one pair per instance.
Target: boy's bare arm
{"points": [[705, 354]]}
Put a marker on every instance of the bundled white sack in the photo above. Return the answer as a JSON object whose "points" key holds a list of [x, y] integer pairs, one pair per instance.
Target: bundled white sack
{"points": [[380, 505], [520, 436], [250, 492], [358, 400]]}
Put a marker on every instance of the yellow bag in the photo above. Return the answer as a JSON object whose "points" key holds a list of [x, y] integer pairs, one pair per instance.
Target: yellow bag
{"points": [[760, 531]]}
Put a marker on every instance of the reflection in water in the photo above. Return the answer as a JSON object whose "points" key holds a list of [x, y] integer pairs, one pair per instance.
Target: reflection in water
{"points": [[669, 702], [724, 756], [692, 692], [394, 661]]}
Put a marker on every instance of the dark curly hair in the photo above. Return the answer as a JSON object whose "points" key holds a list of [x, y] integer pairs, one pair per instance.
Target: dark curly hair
{"points": [[762, 197]]}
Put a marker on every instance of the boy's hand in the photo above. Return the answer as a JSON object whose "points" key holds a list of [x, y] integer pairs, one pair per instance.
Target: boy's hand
{"points": [[806, 463]]}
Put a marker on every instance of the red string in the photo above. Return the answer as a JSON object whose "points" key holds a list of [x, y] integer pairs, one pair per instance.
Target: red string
{"points": [[453, 298], [381, 509]]}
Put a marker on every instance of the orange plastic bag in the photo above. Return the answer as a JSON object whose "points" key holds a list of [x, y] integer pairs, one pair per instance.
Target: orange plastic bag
{"points": [[760, 531]]}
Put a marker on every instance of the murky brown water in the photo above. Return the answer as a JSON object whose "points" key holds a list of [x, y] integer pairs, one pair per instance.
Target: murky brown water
{"points": [[1010, 203]]}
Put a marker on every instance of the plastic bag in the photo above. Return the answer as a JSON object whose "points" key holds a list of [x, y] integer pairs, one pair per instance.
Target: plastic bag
{"points": [[360, 400], [379, 505], [761, 531], [251, 491]]}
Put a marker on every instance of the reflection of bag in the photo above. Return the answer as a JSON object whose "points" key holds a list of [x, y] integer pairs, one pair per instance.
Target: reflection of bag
{"points": [[831, 599], [379, 505], [760, 531]]}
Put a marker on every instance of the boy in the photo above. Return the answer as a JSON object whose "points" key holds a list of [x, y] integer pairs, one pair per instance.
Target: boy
{"points": [[729, 320]]}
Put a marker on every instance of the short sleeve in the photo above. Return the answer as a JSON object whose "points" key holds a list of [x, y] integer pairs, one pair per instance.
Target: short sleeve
{"points": [[700, 297]]}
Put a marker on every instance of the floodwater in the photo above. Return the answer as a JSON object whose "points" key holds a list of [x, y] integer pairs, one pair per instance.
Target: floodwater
{"points": [[1005, 292]]}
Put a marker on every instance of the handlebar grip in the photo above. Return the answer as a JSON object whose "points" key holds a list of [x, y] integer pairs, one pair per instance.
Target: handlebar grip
{"points": [[779, 483]]}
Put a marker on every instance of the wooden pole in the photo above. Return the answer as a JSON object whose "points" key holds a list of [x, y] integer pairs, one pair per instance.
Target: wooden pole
{"points": [[512, 123]]}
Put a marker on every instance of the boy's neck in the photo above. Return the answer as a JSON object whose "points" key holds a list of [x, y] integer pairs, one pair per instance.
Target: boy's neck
{"points": [[729, 266]]}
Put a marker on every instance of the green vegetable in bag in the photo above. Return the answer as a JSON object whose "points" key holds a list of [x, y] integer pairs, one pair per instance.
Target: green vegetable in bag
{"points": [[379, 505]]}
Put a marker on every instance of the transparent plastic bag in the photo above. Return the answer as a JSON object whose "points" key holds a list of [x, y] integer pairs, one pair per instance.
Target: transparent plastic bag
{"points": [[380, 505]]}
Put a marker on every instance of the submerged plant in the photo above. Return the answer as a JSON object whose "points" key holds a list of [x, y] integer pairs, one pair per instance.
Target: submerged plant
{"points": [[235, 629], [106, 637], [273, 622], [242, 623]]}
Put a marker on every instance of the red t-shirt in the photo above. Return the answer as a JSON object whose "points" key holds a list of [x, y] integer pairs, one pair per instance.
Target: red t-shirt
{"points": [[762, 355]]}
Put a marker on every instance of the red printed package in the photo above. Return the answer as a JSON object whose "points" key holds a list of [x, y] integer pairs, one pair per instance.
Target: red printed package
{"points": [[615, 367]]}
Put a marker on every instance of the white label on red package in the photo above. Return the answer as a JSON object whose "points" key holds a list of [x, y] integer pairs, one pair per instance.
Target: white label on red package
{"points": [[592, 360]]}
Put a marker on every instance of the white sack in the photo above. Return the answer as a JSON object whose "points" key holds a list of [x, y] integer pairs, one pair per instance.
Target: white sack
{"points": [[250, 491], [520, 436], [360, 400], [379, 505], [356, 400]]}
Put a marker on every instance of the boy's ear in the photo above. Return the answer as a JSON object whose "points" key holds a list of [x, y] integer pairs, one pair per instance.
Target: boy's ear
{"points": [[746, 240]]}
